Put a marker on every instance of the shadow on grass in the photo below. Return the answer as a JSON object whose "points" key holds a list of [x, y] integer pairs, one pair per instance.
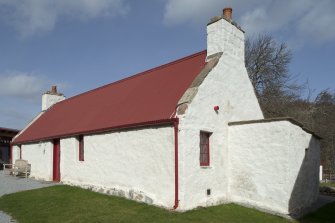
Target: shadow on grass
{"points": [[325, 214]]}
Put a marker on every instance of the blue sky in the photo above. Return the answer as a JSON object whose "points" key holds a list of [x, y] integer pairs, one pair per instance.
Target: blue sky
{"points": [[79, 45]]}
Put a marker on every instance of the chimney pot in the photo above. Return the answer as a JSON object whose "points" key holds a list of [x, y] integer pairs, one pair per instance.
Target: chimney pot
{"points": [[227, 13], [54, 89]]}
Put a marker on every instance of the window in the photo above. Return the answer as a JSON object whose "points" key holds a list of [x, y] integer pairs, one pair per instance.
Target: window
{"points": [[204, 148], [81, 147]]}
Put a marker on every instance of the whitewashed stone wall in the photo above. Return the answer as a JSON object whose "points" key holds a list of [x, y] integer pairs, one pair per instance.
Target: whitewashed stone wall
{"points": [[268, 166], [229, 87], [137, 164], [40, 156], [304, 163], [15, 153]]}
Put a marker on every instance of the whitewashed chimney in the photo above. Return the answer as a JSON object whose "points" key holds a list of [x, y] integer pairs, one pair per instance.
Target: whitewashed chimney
{"points": [[51, 97], [224, 35]]}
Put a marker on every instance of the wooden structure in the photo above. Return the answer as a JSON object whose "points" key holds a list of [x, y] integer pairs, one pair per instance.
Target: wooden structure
{"points": [[6, 136]]}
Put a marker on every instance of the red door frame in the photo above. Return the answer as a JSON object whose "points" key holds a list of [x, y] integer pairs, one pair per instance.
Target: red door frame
{"points": [[56, 161]]}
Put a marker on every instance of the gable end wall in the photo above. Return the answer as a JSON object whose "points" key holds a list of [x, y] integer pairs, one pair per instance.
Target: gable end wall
{"points": [[228, 86]]}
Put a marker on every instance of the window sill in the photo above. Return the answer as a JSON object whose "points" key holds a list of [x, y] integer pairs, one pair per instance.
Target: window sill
{"points": [[206, 167]]}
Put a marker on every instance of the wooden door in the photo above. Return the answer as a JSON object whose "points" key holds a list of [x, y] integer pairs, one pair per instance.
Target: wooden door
{"points": [[56, 161]]}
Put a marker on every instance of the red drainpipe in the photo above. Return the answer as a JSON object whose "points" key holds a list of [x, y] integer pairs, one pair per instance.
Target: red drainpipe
{"points": [[176, 197]]}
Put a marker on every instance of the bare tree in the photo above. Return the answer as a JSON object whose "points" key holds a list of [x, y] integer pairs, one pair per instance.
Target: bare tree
{"points": [[324, 118], [267, 63]]}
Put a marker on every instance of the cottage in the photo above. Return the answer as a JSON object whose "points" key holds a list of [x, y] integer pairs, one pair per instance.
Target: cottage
{"points": [[186, 134]]}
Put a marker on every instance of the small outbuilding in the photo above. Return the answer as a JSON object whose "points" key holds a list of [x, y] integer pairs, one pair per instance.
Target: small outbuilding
{"points": [[6, 136], [186, 134]]}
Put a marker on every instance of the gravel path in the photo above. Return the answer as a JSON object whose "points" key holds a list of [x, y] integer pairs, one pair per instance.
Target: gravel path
{"points": [[5, 218], [10, 184]]}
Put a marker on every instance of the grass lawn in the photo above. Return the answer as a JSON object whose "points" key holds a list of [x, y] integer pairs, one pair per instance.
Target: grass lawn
{"points": [[72, 204], [329, 184]]}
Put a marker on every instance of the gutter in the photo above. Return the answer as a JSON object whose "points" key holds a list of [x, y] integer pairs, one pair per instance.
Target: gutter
{"points": [[176, 181], [98, 131]]}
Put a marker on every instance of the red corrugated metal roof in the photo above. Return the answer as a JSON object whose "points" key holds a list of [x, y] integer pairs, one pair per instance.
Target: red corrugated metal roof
{"points": [[143, 98]]}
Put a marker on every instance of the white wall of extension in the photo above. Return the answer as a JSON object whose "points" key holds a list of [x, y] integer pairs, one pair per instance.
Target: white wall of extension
{"points": [[270, 168]]}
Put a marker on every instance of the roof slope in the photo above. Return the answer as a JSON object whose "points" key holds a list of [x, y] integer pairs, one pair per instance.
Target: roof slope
{"points": [[146, 97]]}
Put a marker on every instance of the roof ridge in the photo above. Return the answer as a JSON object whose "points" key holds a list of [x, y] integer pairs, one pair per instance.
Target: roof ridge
{"points": [[136, 75]]}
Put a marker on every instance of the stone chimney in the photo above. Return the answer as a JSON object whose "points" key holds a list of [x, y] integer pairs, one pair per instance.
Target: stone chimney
{"points": [[228, 13], [51, 97], [224, 35]]}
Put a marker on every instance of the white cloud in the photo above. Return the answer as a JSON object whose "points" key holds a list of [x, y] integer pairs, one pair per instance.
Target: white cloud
{"points": [[303, 21], [199, 11], [195, 11], [21, 85], [22, 92], [29, 17], [24, 85]]}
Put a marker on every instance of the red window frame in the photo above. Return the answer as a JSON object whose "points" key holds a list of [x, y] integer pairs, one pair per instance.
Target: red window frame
{"points": [[204, 144], [81, 147]]}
